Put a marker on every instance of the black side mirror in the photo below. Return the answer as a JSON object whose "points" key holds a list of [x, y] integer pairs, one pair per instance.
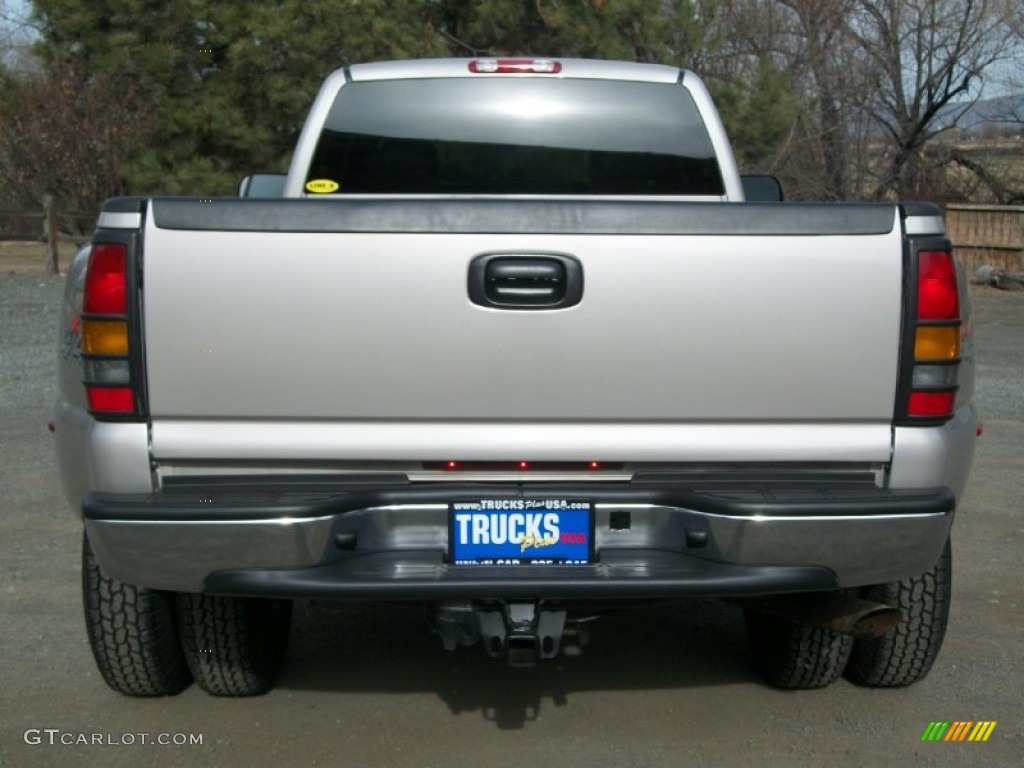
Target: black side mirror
{"points": [[762, 188], [262, 185]]}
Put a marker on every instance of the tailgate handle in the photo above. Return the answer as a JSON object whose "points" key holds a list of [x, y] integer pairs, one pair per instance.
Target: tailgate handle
{"points": [[525, 280], [540, 281]]}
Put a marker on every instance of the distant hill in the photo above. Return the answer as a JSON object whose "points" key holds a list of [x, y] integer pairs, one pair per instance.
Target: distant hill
{"points": [[1000, 113]]}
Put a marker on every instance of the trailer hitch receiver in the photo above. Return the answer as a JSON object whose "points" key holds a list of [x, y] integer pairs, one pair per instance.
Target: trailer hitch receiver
{"points": [[520, 634]]}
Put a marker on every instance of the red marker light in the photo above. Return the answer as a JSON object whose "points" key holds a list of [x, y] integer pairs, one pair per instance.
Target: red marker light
{"points": [[515, 66], [524, 465], [452, 465], [594, 465]]}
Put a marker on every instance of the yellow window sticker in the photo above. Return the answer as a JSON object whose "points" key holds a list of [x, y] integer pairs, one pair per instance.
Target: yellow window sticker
{"points": [[322, 186]]}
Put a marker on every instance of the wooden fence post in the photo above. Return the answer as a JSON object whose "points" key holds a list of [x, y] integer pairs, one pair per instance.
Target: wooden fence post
{"points": [[52, 235]]}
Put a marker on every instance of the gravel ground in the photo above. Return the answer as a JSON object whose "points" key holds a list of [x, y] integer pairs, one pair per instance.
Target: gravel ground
{"points": [[368, 686]]}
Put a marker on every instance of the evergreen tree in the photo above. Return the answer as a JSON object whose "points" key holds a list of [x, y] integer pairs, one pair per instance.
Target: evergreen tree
{"points": [[228, 84], [663, 31], [224, 87], [759, 115]]}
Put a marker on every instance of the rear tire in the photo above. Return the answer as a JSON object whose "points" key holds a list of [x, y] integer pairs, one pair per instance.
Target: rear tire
{"points": [[793, 655], [132, 632], [235, 646], [907, 652]]}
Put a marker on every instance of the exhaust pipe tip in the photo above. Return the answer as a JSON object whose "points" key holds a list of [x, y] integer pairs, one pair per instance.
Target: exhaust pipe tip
{"points": [[834, 611], [876, 622]]}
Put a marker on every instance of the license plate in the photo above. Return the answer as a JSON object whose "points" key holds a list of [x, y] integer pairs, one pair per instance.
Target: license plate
{"points": [[521, 532]]}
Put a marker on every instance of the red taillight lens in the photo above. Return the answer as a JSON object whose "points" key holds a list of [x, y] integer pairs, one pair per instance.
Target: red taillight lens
{"points": [[106, 281], [110, 399], [934, 352], [515, 66], [931, 404], [937, 297], [106, 333]]}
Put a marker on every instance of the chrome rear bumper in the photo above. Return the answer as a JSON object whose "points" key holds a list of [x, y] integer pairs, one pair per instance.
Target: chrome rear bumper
{"points": [[392, 543]]}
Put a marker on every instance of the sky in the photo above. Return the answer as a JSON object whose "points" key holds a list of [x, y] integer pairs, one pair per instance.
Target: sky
{"points": [[13, 15]]}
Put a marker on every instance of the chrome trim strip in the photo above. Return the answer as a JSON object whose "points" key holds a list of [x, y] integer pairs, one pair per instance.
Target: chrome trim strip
{"points": [[760, 518], [408, 507], [277, 521], [114, 220], [925, 225], [526, 476]]}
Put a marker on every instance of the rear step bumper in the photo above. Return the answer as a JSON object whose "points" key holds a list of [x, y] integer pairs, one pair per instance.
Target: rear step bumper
{"points": [[392, 543], [424, 576]]}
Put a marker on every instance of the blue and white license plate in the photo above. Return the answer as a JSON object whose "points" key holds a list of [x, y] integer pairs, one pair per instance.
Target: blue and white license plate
{"points": [[521, 532]]}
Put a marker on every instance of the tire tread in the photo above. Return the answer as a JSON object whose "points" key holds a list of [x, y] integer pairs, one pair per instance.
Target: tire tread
{"points": [[132, 632], [906, 653], [234, 646], [793, 655]]}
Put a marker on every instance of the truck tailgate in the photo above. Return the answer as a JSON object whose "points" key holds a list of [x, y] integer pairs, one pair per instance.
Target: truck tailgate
{"points": [[694, 316]]}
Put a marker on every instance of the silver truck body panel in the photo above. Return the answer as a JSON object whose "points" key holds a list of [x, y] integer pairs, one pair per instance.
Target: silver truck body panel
{"points": [[924, 458], [359, 440], [92, 455], [932, 456], [330, 328]]}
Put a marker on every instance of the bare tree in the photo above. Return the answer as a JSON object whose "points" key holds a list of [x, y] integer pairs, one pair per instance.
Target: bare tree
{"points": [[878, 81], [67, 134], [806, 40], [1011, 78], [835, 73], [927, 55], [754, 71]]}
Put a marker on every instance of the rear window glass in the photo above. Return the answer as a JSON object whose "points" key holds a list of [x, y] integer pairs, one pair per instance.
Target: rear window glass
{"points": [[515, 136]]}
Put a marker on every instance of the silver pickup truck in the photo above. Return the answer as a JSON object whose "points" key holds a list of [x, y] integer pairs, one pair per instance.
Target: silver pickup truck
{"points": [[509, 342]]}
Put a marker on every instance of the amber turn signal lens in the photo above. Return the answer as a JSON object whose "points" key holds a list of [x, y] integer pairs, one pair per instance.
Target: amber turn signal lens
{"points": [[105, 337], [937, 342]]}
